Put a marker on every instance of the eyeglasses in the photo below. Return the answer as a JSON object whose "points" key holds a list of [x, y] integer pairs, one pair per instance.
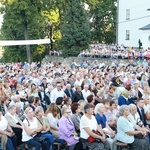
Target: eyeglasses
{"points": [[69, 112]]}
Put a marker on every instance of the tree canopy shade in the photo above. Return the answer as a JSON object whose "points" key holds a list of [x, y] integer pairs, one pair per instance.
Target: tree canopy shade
{"points": [[75, 30], [70, 27], [103, 25], [22, 21]]}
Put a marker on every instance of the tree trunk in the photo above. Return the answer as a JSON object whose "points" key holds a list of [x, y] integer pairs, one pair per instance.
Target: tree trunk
{"points": [[27, 46], [51, 34]]}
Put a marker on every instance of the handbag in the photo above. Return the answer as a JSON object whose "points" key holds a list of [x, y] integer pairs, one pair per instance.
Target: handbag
{"points": [[39, 138], [138, 136], [91, 139]]}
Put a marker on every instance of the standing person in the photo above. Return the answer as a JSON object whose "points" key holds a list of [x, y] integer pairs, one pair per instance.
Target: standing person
{"points": [[126, 131], [31, 127], [87, 125]]}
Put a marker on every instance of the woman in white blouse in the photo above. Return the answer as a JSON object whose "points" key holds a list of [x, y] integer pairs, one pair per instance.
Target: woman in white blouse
{"points": [[52, 116], [31, 127]]}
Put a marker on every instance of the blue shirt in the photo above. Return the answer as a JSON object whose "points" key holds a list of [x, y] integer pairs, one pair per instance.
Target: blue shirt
{"points": [[101, 120]]}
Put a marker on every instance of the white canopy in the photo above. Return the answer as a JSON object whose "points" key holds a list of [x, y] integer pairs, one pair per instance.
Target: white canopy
{"points": [[24, 42]]}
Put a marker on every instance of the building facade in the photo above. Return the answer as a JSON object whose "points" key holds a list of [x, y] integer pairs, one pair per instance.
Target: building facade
{"points": [[133, 23]]}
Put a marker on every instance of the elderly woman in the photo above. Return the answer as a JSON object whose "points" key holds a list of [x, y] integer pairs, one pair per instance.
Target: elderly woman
{"points": [[15, 123], [39, 112], [31, 127], [126, 131], [102, 122], [87, 125], [67, 130], [8, 138], [76, 116], [134, 118]]}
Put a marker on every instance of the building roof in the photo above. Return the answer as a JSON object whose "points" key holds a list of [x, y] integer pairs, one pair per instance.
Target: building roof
{"points": [[147, 27]]}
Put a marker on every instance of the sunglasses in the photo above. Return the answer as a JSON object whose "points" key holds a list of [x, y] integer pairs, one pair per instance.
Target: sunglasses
{"points": [[69, 112]]}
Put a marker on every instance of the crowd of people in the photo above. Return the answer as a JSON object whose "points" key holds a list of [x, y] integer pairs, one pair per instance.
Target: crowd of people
{"points": [[78, 106], [115, 51]]}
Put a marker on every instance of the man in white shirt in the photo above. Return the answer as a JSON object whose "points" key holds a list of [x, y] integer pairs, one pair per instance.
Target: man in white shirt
{"points": [[57, 92], [86, 92]]}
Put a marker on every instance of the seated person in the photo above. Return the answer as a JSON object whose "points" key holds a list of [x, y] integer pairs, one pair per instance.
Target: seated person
{"points": [[8, 138], [39, 112], [76, 116], [31, 127], [124, 98], [15, 123], [67, 130], [126, 131], [52, 116], [102, 122], [87, 125]]}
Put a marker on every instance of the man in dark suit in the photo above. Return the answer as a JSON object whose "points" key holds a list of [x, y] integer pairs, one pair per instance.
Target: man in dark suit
{"points": [[68, 91], [142, 111], [77, 95]]}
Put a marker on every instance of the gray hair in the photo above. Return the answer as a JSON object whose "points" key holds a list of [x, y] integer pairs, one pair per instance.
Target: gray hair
{"points": [[11, 107], [122, 108], [38, 109], [132, 106], [97, 107]]}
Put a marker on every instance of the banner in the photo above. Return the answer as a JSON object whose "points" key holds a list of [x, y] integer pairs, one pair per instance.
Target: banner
{"points": [[24, 42]]}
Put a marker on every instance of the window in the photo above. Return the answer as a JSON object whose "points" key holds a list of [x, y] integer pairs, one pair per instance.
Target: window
{"points": [[127, 14], [127, 34]]}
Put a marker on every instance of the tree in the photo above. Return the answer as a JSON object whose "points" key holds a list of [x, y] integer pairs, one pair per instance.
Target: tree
{"points": [[75, 30], [103, 26], [22, 21]]}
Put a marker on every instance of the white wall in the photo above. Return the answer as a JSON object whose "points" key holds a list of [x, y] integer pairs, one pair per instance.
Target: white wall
{"points": [[138, 19], [146, 41]]}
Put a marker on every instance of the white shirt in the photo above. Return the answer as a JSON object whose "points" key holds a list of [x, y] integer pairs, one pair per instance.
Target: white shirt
{"points": [[118, 92], [148, 109], [55, 94], [13, 116], [3, 123], [85, 94], [52, 120], [32, 125], [85, 122]]}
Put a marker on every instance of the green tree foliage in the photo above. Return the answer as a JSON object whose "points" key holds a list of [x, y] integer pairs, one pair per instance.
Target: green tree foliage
{"points": [[63, 21], [22, 20], [75, 30], [103, 25]]}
